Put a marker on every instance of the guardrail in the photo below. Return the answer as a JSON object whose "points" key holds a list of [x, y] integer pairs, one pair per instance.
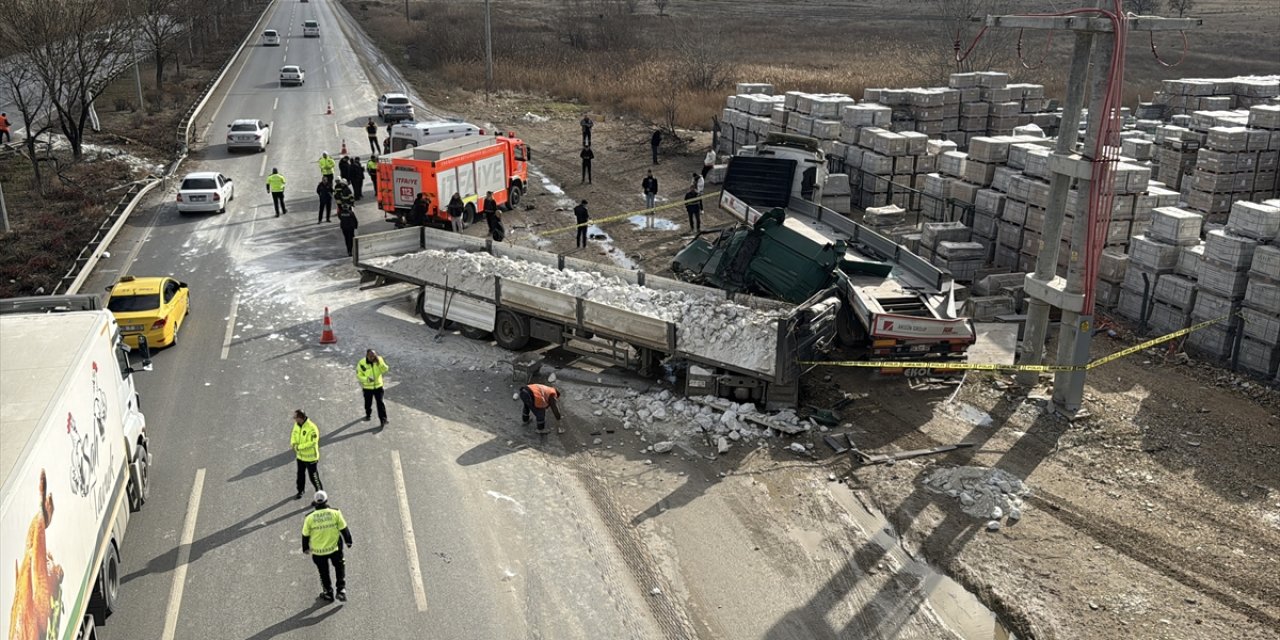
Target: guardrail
{"points": [[92, 252]]}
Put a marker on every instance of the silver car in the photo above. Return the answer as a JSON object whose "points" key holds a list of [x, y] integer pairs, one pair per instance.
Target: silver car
{"points": [[394, 106], [248, 134]]}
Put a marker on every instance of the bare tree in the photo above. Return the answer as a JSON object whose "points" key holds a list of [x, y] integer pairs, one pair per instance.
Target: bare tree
{"points": [[1142, 7], [662, 6], [159, 25], [1181, 6], [20, 86], [700, 59], [952, 24], [74, 48]]}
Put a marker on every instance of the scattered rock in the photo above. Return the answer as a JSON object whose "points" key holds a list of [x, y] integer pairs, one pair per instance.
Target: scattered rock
{"points": [[664, 447]]}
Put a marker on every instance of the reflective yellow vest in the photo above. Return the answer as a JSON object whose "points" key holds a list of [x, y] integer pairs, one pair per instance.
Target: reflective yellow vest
{"points": [[276, 182], [324, 527], [371, 375], [305, 441], [326, 166]]}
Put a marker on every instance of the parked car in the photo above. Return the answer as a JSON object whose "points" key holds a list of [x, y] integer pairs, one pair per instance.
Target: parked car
{"points": [[248, 134], [270, 38], [151, 307], [394, 106], [310, 29], [292, 74], [205, 191]]}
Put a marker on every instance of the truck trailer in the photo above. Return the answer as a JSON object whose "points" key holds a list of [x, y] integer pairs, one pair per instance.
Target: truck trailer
{"points": [[469, 166], [787, 246], [74, 465]]}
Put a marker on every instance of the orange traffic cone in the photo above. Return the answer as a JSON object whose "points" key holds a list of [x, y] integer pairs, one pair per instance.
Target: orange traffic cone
{"points": [[344, 147], [327, 337], [329, 110]]}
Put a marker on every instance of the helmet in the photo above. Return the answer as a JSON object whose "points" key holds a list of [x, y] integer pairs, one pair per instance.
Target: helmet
{"points": [[321, 497]]}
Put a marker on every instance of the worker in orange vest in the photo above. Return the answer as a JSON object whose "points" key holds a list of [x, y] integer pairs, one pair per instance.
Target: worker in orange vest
{"points": [[4, 128], [537, 398]]}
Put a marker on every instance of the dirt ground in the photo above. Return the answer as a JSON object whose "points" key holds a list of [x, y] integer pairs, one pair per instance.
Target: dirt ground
{"points": [[1156, 517]]}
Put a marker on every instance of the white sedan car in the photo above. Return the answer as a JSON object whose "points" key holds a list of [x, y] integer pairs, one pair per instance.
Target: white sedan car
{"points": [[292, 74], [248, 134], [205, 191], [270, 38]]}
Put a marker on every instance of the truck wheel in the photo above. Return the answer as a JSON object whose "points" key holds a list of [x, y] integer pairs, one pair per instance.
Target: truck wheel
{"points": [[102, 602], [511, 330], [469, 214], [513, 195], [476, 334], [141, 488], [849, 330], [432, 321]]}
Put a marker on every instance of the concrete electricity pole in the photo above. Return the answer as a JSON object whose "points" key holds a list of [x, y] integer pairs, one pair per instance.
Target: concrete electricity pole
{"points": [[1069, 165], [488, 52]]}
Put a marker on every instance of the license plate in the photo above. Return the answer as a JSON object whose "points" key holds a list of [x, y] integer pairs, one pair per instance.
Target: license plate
{"points": [[131, 327], [197, 198], [919, 348]]}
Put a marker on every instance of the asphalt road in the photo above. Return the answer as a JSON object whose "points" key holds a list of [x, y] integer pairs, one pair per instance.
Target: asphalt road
{"points": [[461, 529]]}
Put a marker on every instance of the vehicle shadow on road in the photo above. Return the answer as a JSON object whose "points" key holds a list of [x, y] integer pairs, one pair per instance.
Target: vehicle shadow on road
{"points": [[167, 560], [299, 620]]}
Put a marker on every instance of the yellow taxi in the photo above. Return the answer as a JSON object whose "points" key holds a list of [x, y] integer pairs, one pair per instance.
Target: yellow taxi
{"points": [[154, 307]]}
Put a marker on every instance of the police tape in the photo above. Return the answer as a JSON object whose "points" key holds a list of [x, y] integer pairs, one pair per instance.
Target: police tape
{"points": [[1039, 368], [629, 214]]}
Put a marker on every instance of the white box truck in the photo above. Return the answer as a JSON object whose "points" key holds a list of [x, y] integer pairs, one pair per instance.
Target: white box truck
{"points": [[73, 461]]}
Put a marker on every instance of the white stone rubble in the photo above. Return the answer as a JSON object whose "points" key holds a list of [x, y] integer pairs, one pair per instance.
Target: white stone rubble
{"points": [[984, 493], [707, 326], [670, 417]]}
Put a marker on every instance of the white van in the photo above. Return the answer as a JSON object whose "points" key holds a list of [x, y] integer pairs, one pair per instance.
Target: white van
{"points": [[415, 134], [270, 38], [310, 29]]}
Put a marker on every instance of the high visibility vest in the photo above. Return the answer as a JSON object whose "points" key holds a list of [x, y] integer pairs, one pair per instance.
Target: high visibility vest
{"points": [[305, 441], [276, 182], [371, 375], [542, 395], [324, 528], [371, 166], [326, 166]]}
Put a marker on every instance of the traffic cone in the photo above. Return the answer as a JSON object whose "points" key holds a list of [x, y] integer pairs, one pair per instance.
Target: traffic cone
{"points": [[329, 110], [327, 337], [344, 147]]}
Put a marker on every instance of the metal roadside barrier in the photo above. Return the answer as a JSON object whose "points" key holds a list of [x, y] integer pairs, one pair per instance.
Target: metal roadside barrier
{"points": [[93, 250]]}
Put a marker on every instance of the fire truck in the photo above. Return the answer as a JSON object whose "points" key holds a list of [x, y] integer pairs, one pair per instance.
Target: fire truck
{"points": [[470, 166]]}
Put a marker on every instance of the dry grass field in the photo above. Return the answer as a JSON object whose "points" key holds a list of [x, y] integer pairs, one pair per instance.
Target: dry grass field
{"points": [[676, 68]]}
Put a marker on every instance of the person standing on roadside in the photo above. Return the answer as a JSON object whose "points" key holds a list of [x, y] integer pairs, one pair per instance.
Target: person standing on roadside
{"points": [[5, 135], [587, 123], [325, 193], [371, 129], [491, 218], [418, 210], [456, 210], [587, 155], [371, 168], [580, 214], [326, 168], [655, 141], [275, 187], [344, 168], [347, 221], [698, 183], [708, 162], [369, 370], [357, 178], [324, 531], [305, 441], [650, 187], [693, 206]]}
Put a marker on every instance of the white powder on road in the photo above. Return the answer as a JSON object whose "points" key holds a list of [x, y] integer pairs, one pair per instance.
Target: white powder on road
{"points": [[706, 326]]}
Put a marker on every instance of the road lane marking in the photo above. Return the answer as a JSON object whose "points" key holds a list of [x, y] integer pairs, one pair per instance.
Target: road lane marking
{"points": [[262, 171], [326, 84], [336, 133], [275, 105], [231, 325], [184, 556], [286, 58], [133, 253], [410, 541]]}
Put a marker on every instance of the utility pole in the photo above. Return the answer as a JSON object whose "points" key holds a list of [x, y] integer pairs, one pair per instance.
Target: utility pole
{"points": [[1094, 46], [488, 52], [4, 212], [137, 74]]}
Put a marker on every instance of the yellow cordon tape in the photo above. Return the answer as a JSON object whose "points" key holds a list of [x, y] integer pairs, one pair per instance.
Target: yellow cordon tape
{"points": [[1041, 368], [624, 216]]}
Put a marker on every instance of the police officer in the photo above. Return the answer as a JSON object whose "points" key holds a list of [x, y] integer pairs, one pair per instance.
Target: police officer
{"points": [[325, 193], [369, 370], [371, 129], [347, 220], [357, 178], [326, 168], [537, 398], [305, 441], [275, 187], [323, 533]]}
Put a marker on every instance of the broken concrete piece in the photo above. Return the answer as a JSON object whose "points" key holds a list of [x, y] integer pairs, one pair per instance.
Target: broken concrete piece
{"points": [[664, 447], [722, 445]]}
